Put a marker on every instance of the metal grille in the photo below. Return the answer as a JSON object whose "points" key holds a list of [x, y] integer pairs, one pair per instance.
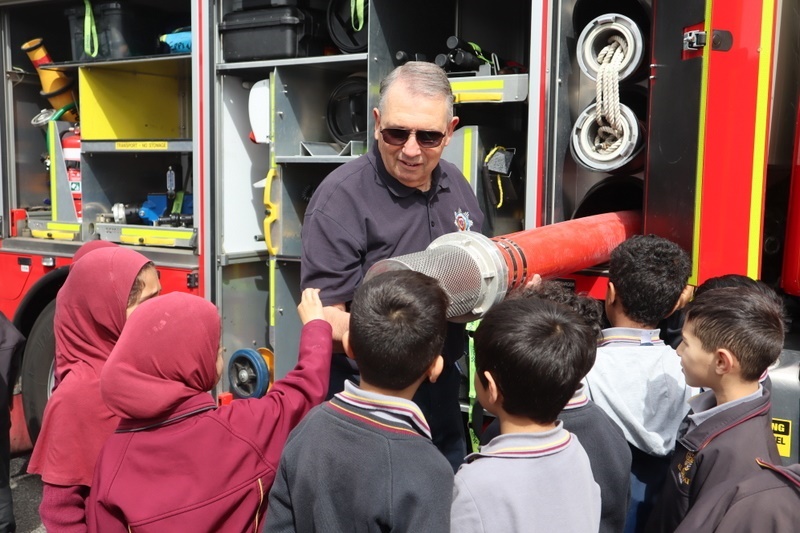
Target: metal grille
{"points": [[457, 272]]}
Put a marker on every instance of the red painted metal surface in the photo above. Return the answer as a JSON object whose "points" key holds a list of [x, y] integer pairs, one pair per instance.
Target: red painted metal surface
{"points": [[790, 277], [559, 249], [18, 273], [730, 137]]}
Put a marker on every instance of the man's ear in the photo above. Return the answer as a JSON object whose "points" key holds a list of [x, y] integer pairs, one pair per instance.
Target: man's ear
{"points": [[724, 362], [348, 350], [492, 391], [377, 116], [435, 370]]}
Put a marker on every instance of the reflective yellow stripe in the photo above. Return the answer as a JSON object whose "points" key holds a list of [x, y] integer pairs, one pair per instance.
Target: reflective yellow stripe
{"points": [[701, 145], [271, 293], [475, 85], [462, 97], [55, 235], [166, 234], [52, 135], [759, 148], [467, 162], [63, 226]]}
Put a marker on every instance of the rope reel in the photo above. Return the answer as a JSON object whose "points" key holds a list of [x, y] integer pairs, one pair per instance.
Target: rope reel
{"points": [[599, 34], [606, 135], [598, 153]]}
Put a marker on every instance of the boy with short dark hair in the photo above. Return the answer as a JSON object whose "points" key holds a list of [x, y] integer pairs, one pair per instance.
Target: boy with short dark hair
{"points": [[535, 476], [730, 337], [365, 460], [602, 439], [637, 378]]}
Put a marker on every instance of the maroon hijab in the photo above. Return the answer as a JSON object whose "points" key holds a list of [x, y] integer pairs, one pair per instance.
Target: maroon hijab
{"points": [[90, 313], [165, 360]]}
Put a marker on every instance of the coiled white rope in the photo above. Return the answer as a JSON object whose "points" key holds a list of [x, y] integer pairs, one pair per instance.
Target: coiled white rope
{"points": [[607, 111]]}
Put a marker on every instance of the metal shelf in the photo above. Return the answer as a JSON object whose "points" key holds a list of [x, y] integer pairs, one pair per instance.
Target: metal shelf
{"points": [[341, 62]]}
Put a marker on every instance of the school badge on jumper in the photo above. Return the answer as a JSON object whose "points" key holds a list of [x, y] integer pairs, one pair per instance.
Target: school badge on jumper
{"points": [[463, 223]]}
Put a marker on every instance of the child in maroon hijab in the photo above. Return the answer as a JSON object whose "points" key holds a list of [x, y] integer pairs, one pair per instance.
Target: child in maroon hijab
{"points": [[102, 288], [178, 462]]}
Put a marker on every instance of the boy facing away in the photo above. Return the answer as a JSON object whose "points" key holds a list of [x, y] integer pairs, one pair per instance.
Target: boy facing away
{"points": [[604, 442], [730, 337], [637, 378], [530, 356], [364, 461]]}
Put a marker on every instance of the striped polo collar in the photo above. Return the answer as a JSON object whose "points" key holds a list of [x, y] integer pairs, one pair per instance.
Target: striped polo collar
{"points": [[579, 399], [525, 445], [631, 336], [382, 409]]}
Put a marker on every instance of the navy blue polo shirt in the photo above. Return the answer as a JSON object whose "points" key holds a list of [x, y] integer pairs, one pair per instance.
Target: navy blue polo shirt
{"points": [[360, 215]]}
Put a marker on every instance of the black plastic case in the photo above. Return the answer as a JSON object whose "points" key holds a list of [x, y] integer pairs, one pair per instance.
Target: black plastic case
{"points": [[272, 33]]}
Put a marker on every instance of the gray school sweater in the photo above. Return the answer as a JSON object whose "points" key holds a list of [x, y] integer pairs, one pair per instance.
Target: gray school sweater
{"points": [[361, 462], [532, 482]]}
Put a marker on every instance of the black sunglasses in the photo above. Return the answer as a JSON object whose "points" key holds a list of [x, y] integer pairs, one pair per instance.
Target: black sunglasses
{"points": [[398, 137]]}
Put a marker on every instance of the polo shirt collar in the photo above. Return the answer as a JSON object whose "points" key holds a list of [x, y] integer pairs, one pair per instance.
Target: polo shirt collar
{"points": [[631, 336], [438, 181], [579, 398], [525, 445], [390, 408]]}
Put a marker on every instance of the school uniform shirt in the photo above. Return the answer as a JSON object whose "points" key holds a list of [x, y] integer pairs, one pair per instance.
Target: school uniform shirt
{"points": [[637, 380], [178, 462], [361, 462], [608, 451], [717, 446], [532, 482]]}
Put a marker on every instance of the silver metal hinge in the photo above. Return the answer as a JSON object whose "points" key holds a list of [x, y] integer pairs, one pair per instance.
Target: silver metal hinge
{"points": [[694, 40]]}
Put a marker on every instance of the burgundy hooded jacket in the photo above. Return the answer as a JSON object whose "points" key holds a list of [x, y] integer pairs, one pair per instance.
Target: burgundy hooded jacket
{"points": [[178, 462]]}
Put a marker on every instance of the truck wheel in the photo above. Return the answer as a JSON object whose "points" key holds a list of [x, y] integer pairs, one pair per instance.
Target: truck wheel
{"points": [[37, 369]]}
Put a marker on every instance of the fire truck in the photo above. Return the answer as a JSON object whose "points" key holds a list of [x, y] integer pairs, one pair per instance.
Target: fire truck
{"points": [[196, 132]]}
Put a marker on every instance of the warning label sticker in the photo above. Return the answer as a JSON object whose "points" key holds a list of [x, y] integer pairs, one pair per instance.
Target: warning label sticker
{"points": [[782, 429]]}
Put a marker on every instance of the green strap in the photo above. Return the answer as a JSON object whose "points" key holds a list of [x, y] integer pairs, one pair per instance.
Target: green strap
{"points": [[177, 204], [478, 52], [474, 440], [89, 30], [357, 14]]}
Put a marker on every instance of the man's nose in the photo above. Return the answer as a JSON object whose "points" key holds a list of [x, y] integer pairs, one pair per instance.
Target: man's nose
{"points": [[411, 147]]}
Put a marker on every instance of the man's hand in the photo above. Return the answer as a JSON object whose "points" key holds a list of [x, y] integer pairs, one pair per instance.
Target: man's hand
{"points": [[310, 307]]}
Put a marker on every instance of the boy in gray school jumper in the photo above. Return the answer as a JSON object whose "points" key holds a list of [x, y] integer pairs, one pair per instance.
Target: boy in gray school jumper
{"points": [[364, 461], [530, 356]]}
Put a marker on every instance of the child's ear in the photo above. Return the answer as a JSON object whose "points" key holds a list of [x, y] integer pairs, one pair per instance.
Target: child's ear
{"points": [[686, 296], [725, 361], [492, 391], [348, 350], [611, 294], [435, 370]]}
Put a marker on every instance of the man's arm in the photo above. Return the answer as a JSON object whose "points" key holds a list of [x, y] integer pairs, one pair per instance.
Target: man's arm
{"points": [[339, 319]]}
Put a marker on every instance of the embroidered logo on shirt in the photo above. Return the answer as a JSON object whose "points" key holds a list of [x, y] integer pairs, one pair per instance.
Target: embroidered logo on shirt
{"points": [[463, 223], [684, 468]]}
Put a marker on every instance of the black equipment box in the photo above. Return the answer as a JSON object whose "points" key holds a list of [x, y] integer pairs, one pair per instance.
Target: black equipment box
{"points": [[272, 33]]}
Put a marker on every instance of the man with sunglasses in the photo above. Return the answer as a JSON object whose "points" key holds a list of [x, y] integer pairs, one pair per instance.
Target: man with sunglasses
{"points": [[394, 200]]}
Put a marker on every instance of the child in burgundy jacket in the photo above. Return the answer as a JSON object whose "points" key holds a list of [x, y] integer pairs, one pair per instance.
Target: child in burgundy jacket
{"points": [[177, 462], [730, 337]]}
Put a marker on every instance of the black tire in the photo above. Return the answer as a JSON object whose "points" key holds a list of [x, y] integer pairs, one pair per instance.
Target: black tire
{"points": [[37, 369]]}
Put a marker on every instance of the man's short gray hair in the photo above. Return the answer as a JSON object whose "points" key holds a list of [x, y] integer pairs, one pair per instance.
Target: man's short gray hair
{"points": [[423, 79]]}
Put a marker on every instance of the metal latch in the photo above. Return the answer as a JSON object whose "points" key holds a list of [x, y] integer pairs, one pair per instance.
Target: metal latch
{"points": [[694, 40]]}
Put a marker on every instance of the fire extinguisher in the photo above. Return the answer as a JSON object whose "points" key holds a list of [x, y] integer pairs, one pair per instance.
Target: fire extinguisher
{"points": [[71, 145]]}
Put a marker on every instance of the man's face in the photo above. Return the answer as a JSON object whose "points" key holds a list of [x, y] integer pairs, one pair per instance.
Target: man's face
{"points": [[698, 365], [152, 288], [410, 163]]}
